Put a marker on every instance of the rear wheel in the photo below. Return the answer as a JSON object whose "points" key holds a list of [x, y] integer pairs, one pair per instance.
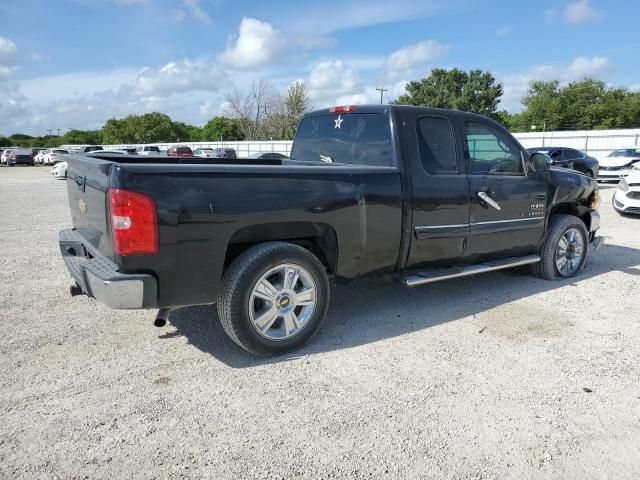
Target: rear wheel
{"points": [[273, 298], [564, 250]]}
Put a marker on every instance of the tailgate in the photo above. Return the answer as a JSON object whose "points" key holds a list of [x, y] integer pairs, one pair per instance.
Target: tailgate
{"points": [[87, 184]]}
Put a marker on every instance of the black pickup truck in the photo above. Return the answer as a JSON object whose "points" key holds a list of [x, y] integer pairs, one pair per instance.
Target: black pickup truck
{"points": [[425, 194]]}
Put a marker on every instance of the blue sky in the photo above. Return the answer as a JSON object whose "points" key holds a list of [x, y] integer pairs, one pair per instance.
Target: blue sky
{"points": [[75, 63]]}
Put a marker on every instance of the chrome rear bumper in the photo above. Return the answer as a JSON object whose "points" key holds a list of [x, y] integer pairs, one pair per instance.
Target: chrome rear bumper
{"points": [[98, 277]]}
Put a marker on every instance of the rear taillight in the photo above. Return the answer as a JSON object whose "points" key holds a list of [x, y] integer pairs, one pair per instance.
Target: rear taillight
{"points": [[134, 224]]}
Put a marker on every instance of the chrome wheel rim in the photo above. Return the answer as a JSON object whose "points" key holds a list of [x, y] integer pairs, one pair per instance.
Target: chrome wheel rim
{"points": [[569, 252], [282, 301]]}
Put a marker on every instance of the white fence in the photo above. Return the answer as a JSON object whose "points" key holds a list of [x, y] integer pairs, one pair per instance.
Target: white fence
{"points": [[597, 143]]}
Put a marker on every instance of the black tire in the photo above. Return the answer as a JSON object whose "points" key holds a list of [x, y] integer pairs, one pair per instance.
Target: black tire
{"points": [[558, 225], [238, 282]]}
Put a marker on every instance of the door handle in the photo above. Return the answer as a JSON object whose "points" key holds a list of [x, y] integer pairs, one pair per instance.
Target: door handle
{"points": [[488, 200]]}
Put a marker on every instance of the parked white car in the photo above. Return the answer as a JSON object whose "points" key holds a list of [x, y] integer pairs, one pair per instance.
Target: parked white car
{"points": [[148, 150], [626, 199], [60, 170], [618, 164], [39, 158], [54, 156], [204, 152], [6, 154]]}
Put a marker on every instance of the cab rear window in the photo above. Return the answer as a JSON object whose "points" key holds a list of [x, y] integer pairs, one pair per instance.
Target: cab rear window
{"points": [[351, 138]]}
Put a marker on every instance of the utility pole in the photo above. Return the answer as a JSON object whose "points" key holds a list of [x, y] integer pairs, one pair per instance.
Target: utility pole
{"points": [[381, 90], [58, 131], [49, 130]]}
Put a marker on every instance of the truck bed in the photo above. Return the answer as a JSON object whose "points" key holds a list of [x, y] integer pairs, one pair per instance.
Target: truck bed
{"points": [[205, 213]]}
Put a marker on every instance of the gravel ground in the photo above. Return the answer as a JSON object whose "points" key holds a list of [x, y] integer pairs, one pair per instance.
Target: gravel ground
{"points": [[495, 376]]}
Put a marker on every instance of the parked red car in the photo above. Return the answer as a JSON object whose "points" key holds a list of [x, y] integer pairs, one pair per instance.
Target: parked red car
{"points": [[180, 151]]}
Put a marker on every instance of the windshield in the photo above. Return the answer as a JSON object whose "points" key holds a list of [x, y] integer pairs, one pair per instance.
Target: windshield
{"points": [[152, 149], [625, 152], [359, 139]]}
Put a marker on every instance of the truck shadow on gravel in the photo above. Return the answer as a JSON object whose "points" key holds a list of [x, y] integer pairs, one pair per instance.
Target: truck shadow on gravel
{"points": [[378, 308]]}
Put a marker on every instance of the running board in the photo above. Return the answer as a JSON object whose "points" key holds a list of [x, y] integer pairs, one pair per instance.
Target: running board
{"points": [[445, 274]]}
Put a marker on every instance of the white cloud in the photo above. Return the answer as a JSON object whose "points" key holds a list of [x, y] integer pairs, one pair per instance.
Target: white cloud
{"points": [[336, 82], [174, 77], [586, 67], [504, 31], [398, 88], [406, 58], [332, 77], [193, 6], [49, 89], [320, 19], [517, 85], [12, 107], [8, 57], [580, 12], [256, 44], [575, 13], [186, 90], [8, 52], [635, 88]]}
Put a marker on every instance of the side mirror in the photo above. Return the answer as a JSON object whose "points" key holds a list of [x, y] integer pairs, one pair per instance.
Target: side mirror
{"points": [[540, 161]]}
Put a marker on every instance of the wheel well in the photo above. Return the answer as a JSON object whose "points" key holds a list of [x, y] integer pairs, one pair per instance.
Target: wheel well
{"points": [[320, 239], [572, 209]]}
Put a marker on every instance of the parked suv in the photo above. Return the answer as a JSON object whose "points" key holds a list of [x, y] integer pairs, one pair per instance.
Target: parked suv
{"points": [[54, 156], [148, 150], [224, 153], [19, 157], [180, 151]]}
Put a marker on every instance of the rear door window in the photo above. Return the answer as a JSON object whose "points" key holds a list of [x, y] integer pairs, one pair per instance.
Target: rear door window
{"points": [[571, 154], [437, 145], [351, 138]]}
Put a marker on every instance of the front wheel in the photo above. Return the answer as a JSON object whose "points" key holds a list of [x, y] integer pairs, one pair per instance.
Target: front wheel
{"points": [[273, 298], [564, 250]]}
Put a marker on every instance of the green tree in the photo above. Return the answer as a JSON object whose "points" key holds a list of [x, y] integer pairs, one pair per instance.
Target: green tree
{"points": [[82, 137], [194, 133], [474, 91], [148, 128], [583, 105], [221, 128]]}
